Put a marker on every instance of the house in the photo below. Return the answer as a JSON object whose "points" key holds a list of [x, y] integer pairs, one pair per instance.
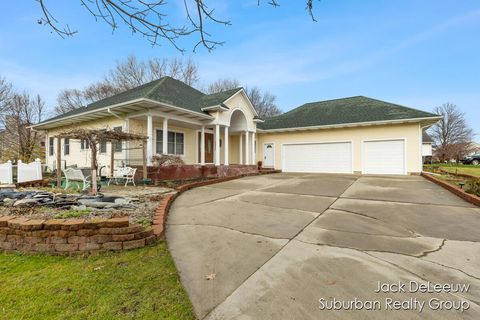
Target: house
{"points": [[427, 147], [473, 148], [223, 130]]}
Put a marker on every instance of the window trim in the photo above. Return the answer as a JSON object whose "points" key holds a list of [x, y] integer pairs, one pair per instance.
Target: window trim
{"points": [[51, 146], [175, 131], [84, 145], [100, 147], [117, 143], [65, 145]]}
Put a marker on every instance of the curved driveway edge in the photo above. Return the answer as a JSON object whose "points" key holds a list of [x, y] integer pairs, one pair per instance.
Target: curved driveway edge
{"points": [[269, 247]]}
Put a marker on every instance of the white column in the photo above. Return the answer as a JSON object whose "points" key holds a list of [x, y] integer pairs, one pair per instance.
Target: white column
{"points": [[165, 136], [240, 150], [225, 146], [247, 147], [202, 146], [217, 144], [150, 140], [253, 148], [127, 143]]}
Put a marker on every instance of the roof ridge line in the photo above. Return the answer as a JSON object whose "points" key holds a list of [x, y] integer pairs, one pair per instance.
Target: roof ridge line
{"points": [[400, 105], [345, 98], [160, 81]]}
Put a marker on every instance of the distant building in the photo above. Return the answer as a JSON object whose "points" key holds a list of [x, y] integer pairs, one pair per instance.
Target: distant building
{"points": [[474, 148], [427, 147]]}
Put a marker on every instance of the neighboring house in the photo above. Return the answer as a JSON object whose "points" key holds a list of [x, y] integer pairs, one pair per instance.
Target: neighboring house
{"points": [[427, 147], [474, 148], [351, 135]]}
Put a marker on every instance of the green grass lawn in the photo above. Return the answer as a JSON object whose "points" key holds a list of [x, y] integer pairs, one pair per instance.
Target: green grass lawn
{"points": [[138, 284], [473, 171], [462, 169]]}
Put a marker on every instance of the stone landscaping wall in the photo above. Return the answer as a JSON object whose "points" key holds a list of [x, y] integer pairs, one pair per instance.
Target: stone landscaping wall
{"points": [[72, 235], [183, 172]]}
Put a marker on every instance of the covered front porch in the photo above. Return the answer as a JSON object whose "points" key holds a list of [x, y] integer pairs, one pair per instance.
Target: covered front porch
{"points": [[195, 140]]}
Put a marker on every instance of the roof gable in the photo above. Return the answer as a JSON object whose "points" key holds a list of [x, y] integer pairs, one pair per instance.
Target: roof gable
{"points": [[342, 111], [214, 99]]}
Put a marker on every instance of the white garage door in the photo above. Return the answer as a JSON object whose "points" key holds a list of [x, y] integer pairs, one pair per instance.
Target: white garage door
{"points": [[384, 157], [318, 157]]}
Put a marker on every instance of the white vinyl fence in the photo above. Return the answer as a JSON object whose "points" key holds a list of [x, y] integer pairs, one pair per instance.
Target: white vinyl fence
{"points": [[6, 173], [29, 171], [25, 172]]}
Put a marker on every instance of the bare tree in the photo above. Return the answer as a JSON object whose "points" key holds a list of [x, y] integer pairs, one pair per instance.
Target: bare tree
{"points": [[126, 75], [149, 19], [69, 99], [21, 141], [5, 94], [223, 84], [452, 133], [132, 73], [264, 102]]}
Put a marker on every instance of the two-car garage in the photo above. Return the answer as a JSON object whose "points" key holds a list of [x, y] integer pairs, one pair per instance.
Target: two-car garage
{"points": [[377, 157]]}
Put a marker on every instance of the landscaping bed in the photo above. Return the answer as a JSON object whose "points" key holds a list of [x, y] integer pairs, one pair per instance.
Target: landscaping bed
{"points": [[138, 203], [457, 177]]}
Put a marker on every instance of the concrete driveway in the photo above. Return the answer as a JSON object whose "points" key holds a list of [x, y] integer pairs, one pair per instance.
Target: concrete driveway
{"points": [[272, 246]]}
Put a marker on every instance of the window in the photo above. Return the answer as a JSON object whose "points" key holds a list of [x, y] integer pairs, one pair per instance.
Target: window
{"points": [[66, 146], [103, 147], [50, 146], [84, 144], [118, 145], [175, 142]]}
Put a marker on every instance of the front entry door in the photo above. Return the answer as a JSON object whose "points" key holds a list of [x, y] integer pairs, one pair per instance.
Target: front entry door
{"points": [[268, 155], [208, 147]]}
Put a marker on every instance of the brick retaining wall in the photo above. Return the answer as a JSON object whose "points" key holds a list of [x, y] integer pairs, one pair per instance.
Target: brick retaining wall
{"points": [[72, 235], [456, 190], [184, 172]]}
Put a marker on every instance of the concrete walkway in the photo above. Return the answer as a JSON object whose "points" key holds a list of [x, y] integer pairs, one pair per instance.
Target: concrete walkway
{"points": [[269, 247]]}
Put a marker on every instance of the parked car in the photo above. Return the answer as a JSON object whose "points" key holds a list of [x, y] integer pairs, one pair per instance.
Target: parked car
{"points": [[472, 159]]}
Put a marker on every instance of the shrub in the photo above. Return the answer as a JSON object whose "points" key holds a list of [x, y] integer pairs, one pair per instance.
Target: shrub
{"points": [[473, 187], [161, 160]]}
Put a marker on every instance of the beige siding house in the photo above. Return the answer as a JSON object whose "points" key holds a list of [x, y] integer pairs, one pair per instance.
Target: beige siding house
{"points": [[351, 135]]}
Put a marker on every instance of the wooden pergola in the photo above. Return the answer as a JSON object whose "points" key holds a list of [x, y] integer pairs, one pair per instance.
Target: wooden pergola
{"points": [[93, 138]]}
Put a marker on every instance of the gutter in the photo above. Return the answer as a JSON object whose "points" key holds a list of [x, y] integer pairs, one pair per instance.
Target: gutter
{"points": [[114, 114], [346, 125], [216, 108], [121, 105]]}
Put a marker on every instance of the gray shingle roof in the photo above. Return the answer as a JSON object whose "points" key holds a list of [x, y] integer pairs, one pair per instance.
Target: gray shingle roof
{"points": [[342, 111], [164, 90]]}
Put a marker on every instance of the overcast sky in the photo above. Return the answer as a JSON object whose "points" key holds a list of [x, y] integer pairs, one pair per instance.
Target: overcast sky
{"points": [[415, 53]]}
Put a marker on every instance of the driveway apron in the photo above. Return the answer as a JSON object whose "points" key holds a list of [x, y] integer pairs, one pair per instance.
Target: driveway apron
{"points": [[272, 246]]}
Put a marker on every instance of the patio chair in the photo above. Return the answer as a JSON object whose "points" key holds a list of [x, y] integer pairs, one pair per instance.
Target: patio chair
{"points": [[126, 174], [118, 174], [130, 175]]}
